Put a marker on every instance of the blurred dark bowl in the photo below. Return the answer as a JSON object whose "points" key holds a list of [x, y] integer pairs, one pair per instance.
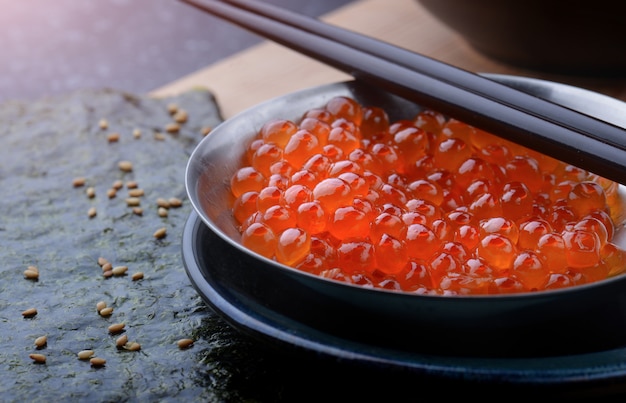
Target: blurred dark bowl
{"points": [[565, 37]]}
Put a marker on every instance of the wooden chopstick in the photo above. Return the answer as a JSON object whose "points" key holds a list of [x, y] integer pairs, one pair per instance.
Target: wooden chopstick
{"points": [[452, 75], [568, 135]]}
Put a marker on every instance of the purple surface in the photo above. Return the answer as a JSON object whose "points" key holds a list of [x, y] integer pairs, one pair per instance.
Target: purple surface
{"points": [[53, 47]]}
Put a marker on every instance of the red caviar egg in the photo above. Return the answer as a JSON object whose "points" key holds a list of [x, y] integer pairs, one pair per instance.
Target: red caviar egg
{"points": [[426, 205]]}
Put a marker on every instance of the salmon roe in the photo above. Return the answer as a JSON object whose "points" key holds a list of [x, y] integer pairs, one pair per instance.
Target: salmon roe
{"points": [[426, 205]]}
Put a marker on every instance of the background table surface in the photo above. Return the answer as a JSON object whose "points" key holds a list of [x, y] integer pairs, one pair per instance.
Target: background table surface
{"points": [[268, 69], [55, 47]]}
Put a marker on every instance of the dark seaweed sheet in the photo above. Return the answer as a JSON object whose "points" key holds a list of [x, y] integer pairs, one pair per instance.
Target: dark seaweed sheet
{"points": [[44, 222]]}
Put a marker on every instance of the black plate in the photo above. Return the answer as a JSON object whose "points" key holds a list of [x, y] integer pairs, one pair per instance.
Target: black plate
{"points": [[598, 372]]}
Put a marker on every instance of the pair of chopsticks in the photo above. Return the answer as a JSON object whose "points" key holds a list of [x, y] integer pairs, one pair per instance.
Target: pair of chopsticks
{"points": [[554, 130]]}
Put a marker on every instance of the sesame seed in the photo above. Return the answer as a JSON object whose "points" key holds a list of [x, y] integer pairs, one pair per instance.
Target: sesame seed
{"points": [[172, 108], [136, 192], [101, 305], [133, 201], [29, 313], [160, 233], [41, 341], [205, 130], [119, 270], [180, 116], [125, 166], [78, 182], [97, 362], [38, 358], [116, 328], [132, 346], [108, 311], [172, 128], [85, 354], [184, 343], [161, 202], [175, 202], [121, 341]]}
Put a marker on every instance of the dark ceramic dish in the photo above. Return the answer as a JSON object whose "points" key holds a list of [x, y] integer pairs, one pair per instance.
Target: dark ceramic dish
{"points": [[566, 37], [598, 373], [579, 319]]}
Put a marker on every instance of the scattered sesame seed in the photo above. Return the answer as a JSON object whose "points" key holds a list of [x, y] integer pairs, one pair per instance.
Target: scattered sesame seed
{"points": [[103, 123], [106, 312], [131, 185], [184, 343], [161, 202], [205, 130], [133, 201], [38, 358], [113, 137], [172, 128], [41, 341], [29, 313], [175, 202], [78, 182], [92, 212], [31, 274], [180, 116], [172, 108], [125, 166], [91, 192], [97, 362], [119, 270], [85, 354], [162, 212], [116, 328], [132, 346], [160, 233], [137, 276], [121, 341], [136, 133], [101, 305], [135, 192]]}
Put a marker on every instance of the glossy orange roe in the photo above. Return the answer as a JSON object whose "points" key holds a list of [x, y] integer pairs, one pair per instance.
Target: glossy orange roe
{"points": [[426, 205]]}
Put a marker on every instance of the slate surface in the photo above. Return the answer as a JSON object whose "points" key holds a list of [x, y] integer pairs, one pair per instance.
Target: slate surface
{"points": [[44, 145]]}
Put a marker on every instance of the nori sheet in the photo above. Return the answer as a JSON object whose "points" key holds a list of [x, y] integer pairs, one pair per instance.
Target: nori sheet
{"points": [[44, 145]]}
